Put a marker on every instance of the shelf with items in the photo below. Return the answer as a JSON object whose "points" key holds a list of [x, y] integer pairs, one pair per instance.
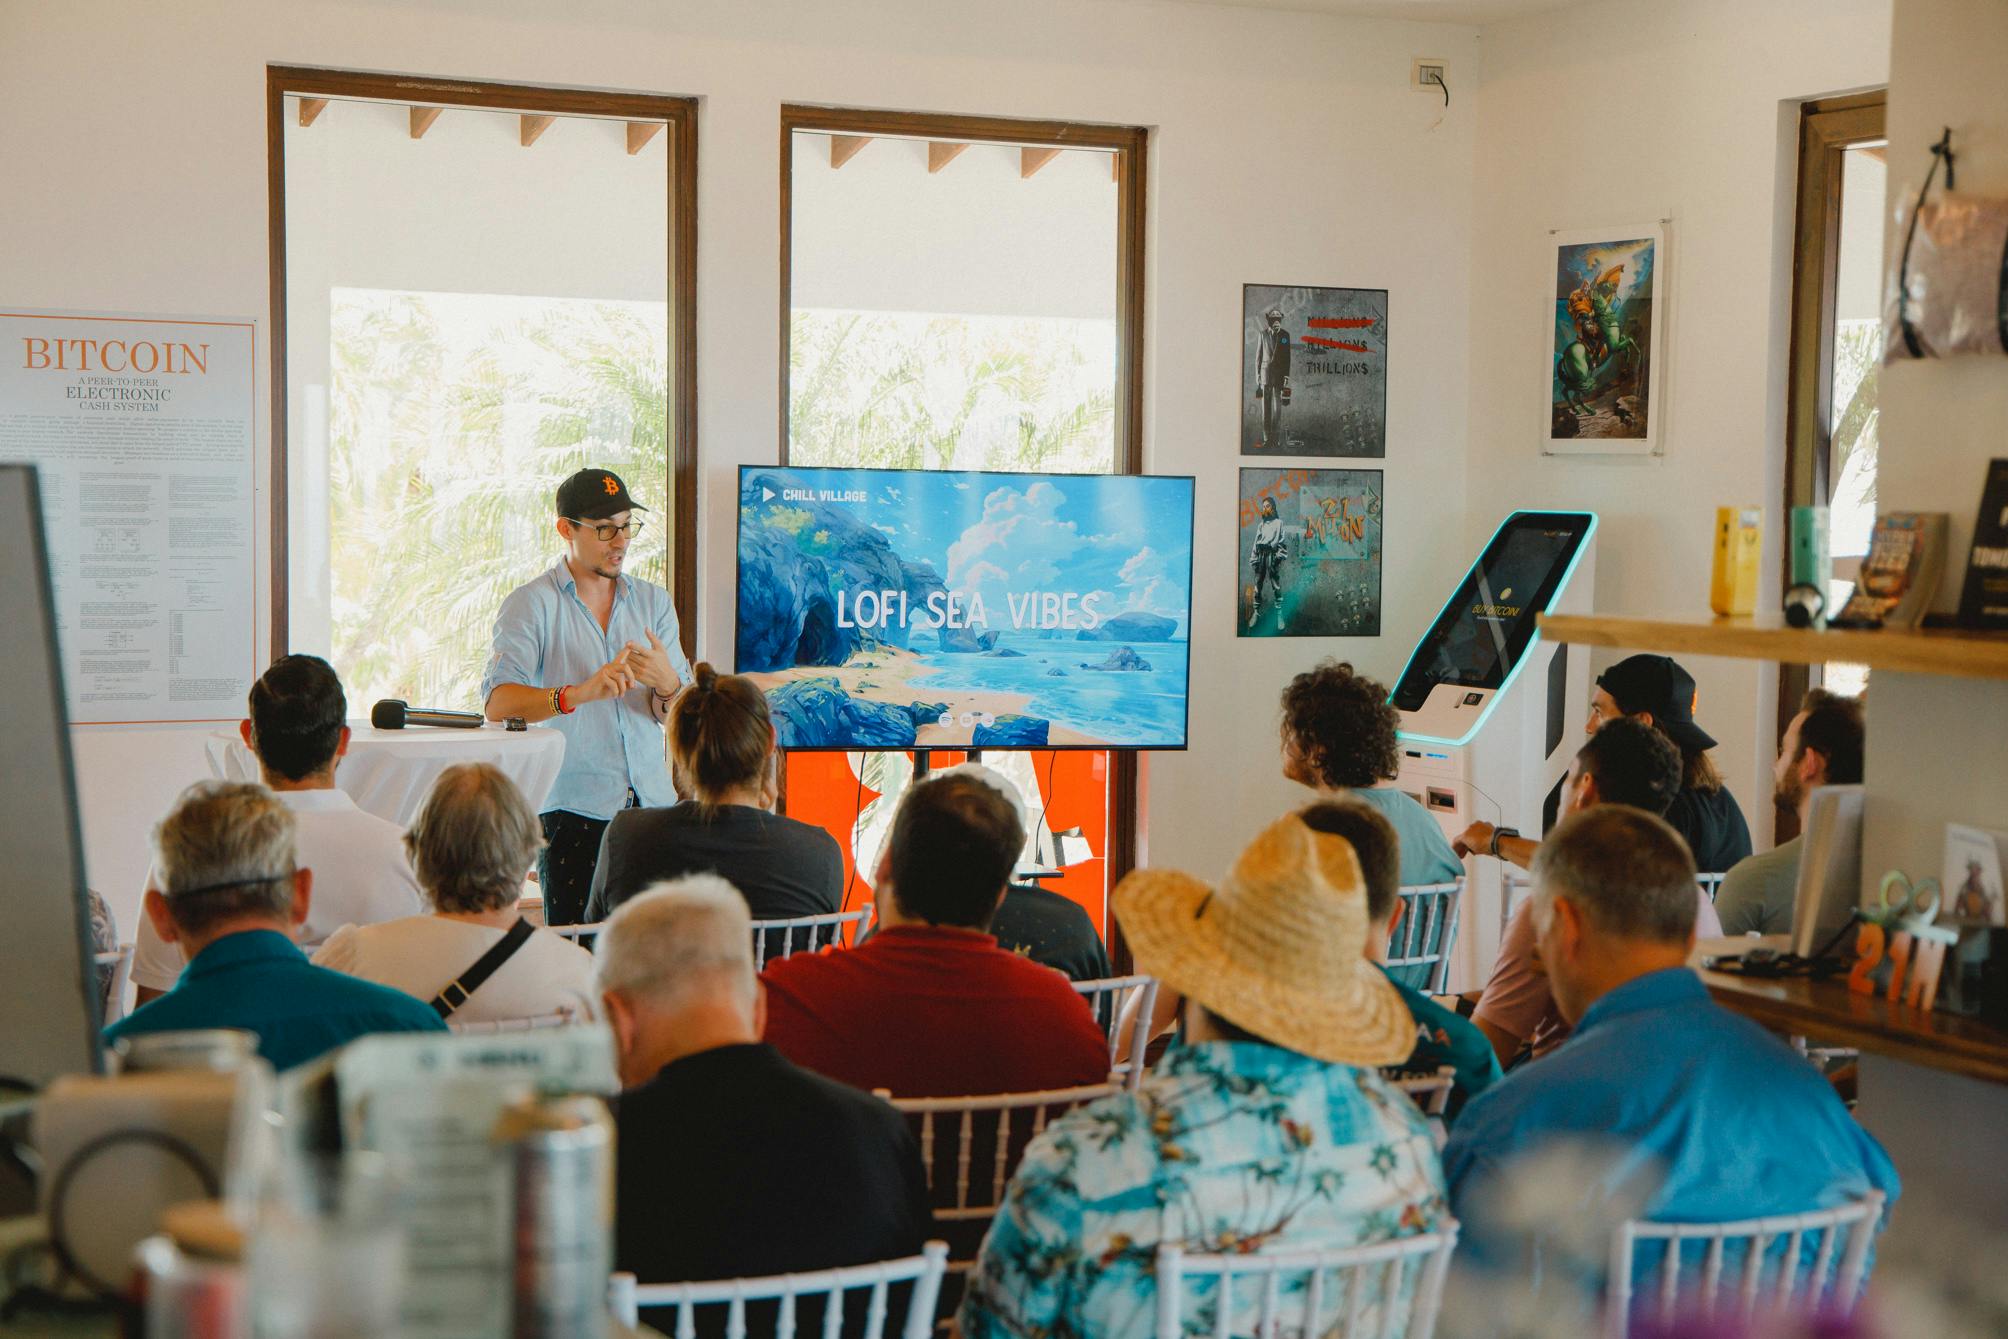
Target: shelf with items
{"points": [[1827, 1011], [1957, 652]]}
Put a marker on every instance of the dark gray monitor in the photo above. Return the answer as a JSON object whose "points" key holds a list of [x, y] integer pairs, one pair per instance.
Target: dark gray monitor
{"points": [[53, 1008]]}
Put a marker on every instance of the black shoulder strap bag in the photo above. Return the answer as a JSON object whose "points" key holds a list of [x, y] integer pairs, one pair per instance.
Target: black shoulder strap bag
{"points": [[456, 992]]}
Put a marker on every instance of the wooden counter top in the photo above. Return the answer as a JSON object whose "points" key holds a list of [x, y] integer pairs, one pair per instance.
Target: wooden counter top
{"points": [[1826, 1011]]}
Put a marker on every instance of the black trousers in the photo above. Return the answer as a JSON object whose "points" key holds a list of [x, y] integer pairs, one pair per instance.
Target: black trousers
{"points": [[565, 865]]}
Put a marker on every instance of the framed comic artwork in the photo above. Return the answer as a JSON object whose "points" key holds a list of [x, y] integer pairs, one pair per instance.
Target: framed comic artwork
{"points": [[1606, 341]]}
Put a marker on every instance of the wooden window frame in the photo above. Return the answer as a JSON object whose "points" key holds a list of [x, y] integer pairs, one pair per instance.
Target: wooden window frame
{"points": [[1130, 144], [1828, 128], [680, 116]]}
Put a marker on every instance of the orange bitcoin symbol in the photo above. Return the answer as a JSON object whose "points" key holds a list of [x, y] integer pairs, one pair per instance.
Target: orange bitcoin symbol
{"points": [[607, 482]]}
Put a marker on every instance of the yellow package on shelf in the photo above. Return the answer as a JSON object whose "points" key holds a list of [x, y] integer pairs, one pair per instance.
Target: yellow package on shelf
{"points": [[1739, 540]]}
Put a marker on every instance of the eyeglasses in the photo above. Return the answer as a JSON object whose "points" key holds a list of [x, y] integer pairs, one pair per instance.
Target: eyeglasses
{"points": [[606, 533]]}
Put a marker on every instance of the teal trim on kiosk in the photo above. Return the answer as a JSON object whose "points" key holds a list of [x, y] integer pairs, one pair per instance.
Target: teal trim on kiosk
{"points": [[1492, 712]]}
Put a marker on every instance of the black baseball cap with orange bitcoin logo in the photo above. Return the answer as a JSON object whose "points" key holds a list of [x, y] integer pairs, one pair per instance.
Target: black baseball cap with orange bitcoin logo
{"points": [[593, 495]]}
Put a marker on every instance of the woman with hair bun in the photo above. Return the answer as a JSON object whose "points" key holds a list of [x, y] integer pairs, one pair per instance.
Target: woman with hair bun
{"points": [[721, 751]]}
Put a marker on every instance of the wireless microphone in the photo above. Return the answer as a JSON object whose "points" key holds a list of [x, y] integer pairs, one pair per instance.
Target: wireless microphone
{"points": [[392, 714]]}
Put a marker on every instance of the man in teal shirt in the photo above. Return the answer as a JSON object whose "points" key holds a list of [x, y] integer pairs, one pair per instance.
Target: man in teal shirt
{"points": [[1441, 1036], [227, 889]]}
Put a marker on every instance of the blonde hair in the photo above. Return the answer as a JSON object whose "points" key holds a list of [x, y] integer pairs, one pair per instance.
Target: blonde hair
{"points": [[473, 839]]}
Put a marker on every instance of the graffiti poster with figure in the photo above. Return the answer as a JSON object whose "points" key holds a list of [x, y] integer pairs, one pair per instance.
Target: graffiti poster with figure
{"points": [[1310, 560], [1605, 336], [1313, 371]]}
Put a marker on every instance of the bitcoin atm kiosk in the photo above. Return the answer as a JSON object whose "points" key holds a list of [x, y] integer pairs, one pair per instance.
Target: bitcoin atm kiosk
{"points": [[1492, 712]]}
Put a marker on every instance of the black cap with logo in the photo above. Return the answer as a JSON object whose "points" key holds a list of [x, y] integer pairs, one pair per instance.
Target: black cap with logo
{"points": [[1659, 685], [594, 495]]}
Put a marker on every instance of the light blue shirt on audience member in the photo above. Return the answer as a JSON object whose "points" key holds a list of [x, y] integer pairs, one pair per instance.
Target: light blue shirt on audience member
{"points": [[544, 637], [1426, 854], [1737, 1123]]}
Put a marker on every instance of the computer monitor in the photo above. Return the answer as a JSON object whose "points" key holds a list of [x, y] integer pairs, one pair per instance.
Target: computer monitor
{"points": [[1830, 868], [53, 1010]]}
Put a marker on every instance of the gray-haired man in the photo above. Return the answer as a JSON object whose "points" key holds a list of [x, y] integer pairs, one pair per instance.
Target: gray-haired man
{"points": [[226, 887], [734, 1162]]}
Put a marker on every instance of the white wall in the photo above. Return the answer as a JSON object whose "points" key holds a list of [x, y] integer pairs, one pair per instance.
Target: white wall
{"points": [[1285, 148], [1631, 111]]}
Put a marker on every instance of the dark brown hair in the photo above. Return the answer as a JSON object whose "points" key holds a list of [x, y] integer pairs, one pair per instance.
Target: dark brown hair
{"points": [[1374, 842], [1343, 724], [720, 735], [1836, 729], [1633, 763], [955, 840]]}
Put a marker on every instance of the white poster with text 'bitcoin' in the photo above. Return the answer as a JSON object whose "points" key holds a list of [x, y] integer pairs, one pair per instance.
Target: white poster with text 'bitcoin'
{"points": [[141, 429]]}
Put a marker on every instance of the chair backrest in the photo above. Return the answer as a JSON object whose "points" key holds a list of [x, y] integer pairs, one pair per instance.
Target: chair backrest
{"points": [[1387, 1291], [563, 1018], [1418, 948], [806, 934], [1108, 1000], [1431, 1092], [626, 1297], [1711, 884], [1688, 1279], [577, 932], [120, 961], [990, 1134]]}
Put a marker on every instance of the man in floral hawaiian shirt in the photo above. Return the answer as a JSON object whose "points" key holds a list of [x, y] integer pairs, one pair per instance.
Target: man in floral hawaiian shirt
{"points": [[1268, 1128]]}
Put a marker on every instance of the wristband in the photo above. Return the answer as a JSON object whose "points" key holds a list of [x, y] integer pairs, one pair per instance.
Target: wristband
{"points": [[558, 697], [1498, 835]]}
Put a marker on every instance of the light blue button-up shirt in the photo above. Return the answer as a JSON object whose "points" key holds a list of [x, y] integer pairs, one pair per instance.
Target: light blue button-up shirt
{"points": [[1707, 1114], [545, 637]]}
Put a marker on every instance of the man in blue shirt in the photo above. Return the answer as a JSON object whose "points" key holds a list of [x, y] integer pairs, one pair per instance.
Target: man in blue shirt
{"points": [[596, 654], [1702, 1116], [226, 888]]}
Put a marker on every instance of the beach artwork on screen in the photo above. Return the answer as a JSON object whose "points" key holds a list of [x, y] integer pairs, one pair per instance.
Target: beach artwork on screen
{"points": [[883, 609], [1310, 553]]}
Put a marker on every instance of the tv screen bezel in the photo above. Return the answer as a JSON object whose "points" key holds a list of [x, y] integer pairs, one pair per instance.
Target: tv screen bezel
{"points": [[1192, 520]]}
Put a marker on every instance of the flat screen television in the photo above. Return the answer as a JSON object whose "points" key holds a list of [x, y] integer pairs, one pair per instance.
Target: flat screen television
{"points": [[889, 609]]}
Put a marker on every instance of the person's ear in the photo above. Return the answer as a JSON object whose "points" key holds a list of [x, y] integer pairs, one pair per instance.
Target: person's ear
{"points": [[1587, 796], [1643, 717], [1400, 914], [154, 903], [244, 733], [620, 1018], [759, 1008], [1570, 929], [1812, 767], [342, 744], [303, 896]]}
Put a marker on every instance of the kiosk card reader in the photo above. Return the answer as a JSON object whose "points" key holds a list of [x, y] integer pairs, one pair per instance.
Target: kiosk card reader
{"points": [[1491, 712]]}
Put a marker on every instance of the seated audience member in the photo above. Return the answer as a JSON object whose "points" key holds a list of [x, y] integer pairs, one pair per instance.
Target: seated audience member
{"points": [[1339, 737], [930, 1006], [1442, 1038], [104, 939], [1822, 747], [732, 1162], [1051, 930], [226, 889], [1656, 690], [472, 842], [721, 745], [298, 732], [1714, 1118], [1266, 1128], [1628, 762]]}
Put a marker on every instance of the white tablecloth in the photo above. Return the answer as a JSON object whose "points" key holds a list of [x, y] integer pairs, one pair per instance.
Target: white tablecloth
{"points": [[387, 772]]}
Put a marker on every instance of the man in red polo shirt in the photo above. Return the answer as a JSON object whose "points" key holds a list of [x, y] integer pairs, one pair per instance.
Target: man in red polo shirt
{"points": [[930, 1006]]}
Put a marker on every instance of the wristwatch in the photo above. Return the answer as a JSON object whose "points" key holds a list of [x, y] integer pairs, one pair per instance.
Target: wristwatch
{"points": [[1498, 834]]}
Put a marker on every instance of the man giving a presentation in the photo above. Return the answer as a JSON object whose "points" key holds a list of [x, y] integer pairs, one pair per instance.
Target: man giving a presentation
{"points": [[595, 653]]}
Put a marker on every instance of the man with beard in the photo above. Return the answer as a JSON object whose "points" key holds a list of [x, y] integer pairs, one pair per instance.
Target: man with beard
{"points": [[595, 653], [1822, 747]]}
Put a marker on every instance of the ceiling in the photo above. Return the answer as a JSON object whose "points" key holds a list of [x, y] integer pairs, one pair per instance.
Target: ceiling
{"points": [[1435, 11]]}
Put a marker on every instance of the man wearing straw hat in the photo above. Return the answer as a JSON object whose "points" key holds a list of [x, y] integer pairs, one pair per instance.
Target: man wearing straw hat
{"points": [[1267, 1128]]}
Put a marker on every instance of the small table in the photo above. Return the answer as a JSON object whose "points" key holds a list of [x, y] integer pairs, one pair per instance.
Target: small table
{"points": [[388, 772]]}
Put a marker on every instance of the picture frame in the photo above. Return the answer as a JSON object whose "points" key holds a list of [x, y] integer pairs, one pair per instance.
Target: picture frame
{"points": [[1605, 315], [1309, 552], [1313, 371]]}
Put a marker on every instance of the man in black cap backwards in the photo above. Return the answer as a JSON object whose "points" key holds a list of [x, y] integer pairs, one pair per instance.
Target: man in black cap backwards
{"points": [[597, 654], [1656, 690]]}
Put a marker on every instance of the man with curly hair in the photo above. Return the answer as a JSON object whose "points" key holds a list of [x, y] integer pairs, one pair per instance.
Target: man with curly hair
{"points": [[1339, 738]]}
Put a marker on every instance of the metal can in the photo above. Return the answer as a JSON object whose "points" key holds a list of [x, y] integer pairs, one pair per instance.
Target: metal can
{"points": [[559, 1151]]}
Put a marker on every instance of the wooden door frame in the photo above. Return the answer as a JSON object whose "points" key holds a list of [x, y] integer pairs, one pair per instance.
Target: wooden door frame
{"points": [[680, 117], [1828, 128], [1130, 145]]}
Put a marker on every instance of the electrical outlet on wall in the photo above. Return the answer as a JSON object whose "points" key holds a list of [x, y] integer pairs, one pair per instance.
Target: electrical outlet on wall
{"points": [[1425, 71]]}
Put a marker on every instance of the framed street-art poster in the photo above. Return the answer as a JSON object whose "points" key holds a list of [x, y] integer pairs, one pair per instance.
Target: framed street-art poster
{"points": [[1606, 341], [1310, 553], [1313, 371]]}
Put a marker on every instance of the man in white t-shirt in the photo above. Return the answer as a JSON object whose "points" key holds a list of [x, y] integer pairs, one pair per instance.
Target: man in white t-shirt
{"points": [[298, 731]]}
